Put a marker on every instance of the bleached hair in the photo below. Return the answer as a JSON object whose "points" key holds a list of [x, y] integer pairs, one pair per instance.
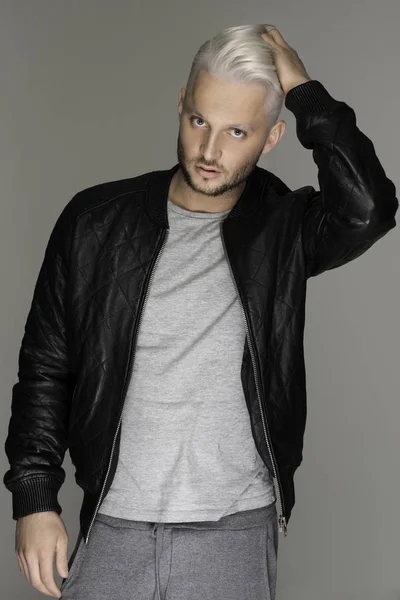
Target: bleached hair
{"points": [[241, 54]]}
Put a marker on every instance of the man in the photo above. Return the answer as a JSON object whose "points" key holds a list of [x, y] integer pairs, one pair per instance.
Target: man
{"points": [[164, 347]]}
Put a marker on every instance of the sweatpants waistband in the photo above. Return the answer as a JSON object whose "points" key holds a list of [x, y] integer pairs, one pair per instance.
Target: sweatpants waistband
{"points": [[239, 520]]}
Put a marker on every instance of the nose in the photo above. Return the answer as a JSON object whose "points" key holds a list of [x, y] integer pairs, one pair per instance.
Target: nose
{"points": [[211, 153]]}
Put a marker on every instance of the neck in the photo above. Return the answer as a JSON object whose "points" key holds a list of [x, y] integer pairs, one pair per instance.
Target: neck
{"points": [[182, 195]]}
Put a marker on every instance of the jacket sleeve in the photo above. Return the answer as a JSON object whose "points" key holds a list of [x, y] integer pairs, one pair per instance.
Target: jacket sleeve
{"points": [[356, 203], [37, 432]]}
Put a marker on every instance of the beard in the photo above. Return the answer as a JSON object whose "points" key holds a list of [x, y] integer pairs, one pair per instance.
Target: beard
{"points": [[212, 188]]}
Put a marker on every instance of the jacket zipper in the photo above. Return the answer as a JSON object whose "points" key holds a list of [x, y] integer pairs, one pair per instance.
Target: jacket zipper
{"points": [[126, 387], [282, 519]]}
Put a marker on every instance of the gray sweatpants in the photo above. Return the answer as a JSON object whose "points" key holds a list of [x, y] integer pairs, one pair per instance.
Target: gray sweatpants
{"points": [[234, 558]]}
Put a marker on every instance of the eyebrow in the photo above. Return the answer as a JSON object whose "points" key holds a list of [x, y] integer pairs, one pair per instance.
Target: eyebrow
{"points": [[234, 125]]}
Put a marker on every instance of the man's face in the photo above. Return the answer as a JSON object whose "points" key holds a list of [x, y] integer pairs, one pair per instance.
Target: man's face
{"points": [[229, 136]]}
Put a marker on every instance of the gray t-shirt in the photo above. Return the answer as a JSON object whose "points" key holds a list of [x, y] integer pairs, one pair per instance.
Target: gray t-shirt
{"points": [[187, 452]]}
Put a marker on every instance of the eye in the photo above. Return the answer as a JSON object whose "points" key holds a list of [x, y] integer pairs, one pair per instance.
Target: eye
{"points": [[235, 136], [244, 134]]}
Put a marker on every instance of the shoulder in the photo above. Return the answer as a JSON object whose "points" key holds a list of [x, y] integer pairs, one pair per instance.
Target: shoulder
{"points": [[100, 194]]}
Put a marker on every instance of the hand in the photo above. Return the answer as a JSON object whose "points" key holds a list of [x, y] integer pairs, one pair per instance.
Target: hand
{"points": [[37, 537], [290, 70]]}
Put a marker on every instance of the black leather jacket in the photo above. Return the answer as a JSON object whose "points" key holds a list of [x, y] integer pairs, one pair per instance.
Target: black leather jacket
{"points": [[78, 347]]}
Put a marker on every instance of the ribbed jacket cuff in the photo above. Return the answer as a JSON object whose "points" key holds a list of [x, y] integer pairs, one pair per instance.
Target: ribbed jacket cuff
{"points": [[310, 96], [36, 494]]}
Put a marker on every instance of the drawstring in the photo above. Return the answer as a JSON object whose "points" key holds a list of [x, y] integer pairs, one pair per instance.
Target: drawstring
{"points": [[158, 534]]}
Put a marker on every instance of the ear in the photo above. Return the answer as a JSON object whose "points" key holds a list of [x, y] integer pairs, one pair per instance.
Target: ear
{"points": [[274, 137], [181, 99]]}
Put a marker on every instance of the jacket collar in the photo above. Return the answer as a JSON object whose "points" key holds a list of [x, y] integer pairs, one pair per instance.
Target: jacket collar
{"points": [[157, 195]]}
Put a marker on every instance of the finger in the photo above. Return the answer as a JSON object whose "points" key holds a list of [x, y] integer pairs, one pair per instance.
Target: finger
{"points": [[268, 39], [20, 566], [276, 35], [23, 566], [47, 573], [270, 29], [62, 558], [35, 575], [275, 32]]}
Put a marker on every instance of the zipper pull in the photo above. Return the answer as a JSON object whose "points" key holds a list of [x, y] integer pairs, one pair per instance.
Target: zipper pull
{"points": [[283, 524]]}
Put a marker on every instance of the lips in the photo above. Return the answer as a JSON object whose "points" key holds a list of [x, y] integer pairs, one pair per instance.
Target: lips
{"points": [[208, 169]]}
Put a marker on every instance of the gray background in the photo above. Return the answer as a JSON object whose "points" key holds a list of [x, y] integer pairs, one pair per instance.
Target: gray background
{"points": [[89, 94]]}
